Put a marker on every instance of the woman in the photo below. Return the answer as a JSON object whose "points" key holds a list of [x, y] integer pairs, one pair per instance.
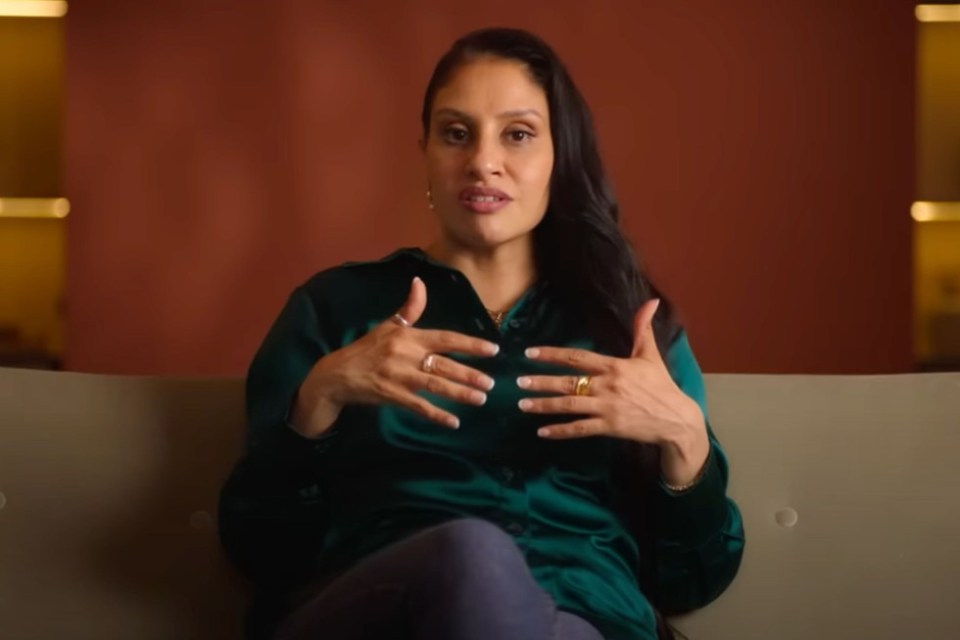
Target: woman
{"points": [[524, 457]]}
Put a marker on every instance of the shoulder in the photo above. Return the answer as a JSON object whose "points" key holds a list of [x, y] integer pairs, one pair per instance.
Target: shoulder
{"points": [[355, 293], [684, 368], [361, 278], [679, 353]]}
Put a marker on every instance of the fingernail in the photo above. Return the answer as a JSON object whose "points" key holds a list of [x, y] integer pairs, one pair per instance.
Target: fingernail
{"points": [[479, 398], [489, 383], [454, 423], [524, 404], [494, 349], [543, 433], [523, 382], [417, 279], [532, 352]]}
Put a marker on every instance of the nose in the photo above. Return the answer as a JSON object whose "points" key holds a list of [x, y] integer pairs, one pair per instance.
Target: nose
{"points": [[485, 158]]}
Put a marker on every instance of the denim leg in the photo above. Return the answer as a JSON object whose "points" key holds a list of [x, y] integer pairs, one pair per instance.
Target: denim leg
{"points": [[571, 627], [462, 580], [480, 588]]}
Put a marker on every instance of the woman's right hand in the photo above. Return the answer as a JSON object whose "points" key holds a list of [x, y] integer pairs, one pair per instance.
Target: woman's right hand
{"points": [[386, 366]]}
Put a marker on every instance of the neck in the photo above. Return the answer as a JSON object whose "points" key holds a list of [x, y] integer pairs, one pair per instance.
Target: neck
{"points": [[500, 274]]}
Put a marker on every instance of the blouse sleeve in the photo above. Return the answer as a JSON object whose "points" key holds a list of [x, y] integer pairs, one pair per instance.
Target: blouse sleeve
{"points": [[699, 537], [278, 479]]}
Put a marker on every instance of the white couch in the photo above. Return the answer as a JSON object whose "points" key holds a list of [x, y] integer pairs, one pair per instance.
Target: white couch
{"points": [[849, 487]]}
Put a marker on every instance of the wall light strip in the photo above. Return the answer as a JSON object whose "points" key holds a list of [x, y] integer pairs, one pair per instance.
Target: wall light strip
{"points": [[935, 211], [938, 12], [33, 8], [34, 207]]}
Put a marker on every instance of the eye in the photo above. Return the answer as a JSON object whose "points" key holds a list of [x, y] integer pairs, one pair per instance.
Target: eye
{"points": [[519, 135], [453, 135]]}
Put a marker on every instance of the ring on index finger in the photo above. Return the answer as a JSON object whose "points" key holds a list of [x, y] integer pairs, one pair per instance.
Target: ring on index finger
{"points": [[400, 320], [429, 361]]}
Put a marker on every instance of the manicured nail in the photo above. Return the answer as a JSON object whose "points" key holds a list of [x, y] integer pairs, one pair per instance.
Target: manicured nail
{"points": [[493, 349], [532, 352], [543, 433], [525, 404], [489, 383], [478, 398], [523, 382], [454, 422]]}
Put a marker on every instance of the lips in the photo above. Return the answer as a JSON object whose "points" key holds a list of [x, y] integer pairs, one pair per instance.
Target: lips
{"points": [[483, 199]]}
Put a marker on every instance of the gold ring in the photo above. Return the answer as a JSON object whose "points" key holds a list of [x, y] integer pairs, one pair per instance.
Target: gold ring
{"points": [[582, 388], [400, 320], [427, 363]]}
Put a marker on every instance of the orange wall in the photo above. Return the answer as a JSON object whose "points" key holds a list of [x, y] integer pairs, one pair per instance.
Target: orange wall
{"points": [[218, 153]]}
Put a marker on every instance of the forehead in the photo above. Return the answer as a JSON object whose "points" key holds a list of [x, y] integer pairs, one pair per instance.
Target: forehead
{"points": [[490, 86]]}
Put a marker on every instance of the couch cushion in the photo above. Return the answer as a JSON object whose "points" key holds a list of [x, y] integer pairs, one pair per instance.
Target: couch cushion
{"points": [[110, 486], [866, 466]]}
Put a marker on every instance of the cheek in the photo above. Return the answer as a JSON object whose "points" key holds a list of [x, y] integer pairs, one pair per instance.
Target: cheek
{"points": [[442, 168], [536, 178]]}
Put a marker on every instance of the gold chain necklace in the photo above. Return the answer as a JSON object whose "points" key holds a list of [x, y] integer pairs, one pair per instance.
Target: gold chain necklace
{"points": [[496, 316]]}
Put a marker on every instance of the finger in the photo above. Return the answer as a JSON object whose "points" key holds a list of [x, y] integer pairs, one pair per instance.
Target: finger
{"points": [[423, 407], [415, 303], [643, 337], [452, 342], [566, 385], [562, 404], [576, 429], [581, 359], [457, 372], [420, 381]]}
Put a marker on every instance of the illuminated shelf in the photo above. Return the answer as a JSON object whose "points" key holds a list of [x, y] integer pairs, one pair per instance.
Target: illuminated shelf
{"points": [[938, 12], [33, 8], [34, 208], [935, 211]]}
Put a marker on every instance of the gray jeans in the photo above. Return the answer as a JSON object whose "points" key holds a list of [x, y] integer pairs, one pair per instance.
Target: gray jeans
{"points": [[462, 580]]}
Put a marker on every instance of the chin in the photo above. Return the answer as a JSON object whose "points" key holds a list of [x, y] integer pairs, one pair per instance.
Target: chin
{"points": [[490, 234]]}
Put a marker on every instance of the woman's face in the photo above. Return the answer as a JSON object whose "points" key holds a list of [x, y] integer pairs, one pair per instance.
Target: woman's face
{"points": [[489, 153]]}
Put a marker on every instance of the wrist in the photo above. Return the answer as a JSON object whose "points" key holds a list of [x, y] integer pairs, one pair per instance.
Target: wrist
{"points": [[315, 407], [678, 487], [685, 451]]}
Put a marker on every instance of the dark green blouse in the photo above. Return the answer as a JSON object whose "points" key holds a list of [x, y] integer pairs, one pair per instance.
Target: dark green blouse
{"points": [[297, 508]]}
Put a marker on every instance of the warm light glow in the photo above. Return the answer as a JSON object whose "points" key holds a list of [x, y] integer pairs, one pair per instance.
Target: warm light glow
{"points": [[938, 12], [33, 8], [34, 207], [936, 211]]}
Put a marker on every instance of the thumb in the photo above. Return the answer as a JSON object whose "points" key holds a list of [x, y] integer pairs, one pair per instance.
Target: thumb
{"points": [[643, 339], [415, 303]]}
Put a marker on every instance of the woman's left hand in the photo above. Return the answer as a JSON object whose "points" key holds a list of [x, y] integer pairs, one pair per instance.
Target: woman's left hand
{"points": [[632, 398]]}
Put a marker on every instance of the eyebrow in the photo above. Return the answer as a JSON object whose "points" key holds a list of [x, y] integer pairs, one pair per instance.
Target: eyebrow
{"points": [[515, 113]]}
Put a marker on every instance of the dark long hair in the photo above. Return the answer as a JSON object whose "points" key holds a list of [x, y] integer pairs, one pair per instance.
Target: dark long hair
{"points": [[580, 245]]}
